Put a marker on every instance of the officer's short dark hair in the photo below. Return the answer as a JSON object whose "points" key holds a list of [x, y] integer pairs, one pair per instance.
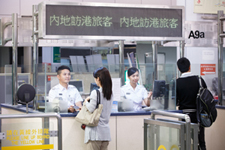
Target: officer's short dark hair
{"points": [[183, 64], [59, 70]]}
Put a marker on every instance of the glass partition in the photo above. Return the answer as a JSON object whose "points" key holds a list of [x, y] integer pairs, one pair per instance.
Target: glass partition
{"points": [[82, 77], [6, 91], [83, 74], [210, 75]]}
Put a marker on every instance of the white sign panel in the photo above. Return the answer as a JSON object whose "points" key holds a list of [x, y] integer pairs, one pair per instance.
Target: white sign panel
{"points": [[208, 6], [208, 55], [200, 34]]}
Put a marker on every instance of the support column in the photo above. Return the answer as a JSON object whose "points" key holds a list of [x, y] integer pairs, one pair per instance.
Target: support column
{"points": [[220, 57], [14, 52], [35, 51], [154, 56], [181, 46], [121, 63]]}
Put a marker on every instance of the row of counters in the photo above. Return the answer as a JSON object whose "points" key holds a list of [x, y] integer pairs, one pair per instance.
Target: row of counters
{"points": [[126, 128]]}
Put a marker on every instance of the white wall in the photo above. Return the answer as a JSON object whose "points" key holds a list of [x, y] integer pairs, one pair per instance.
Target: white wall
{"points": [[194, 54], [170, 53], [24, 7]]}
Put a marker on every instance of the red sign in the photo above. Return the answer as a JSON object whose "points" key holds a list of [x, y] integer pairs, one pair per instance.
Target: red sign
{"points": [[208, 69], [49, 78]]}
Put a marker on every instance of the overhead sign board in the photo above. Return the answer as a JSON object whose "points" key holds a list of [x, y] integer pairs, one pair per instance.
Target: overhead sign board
{"points": [[109, 21]]}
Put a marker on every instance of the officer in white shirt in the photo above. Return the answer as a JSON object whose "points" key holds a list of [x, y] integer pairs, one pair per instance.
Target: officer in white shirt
{"points": [[133, 91], [67, 92]]}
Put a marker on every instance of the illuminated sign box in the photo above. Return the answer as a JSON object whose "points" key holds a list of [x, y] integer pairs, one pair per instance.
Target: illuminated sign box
{"points": [[112, 21], [27, 135]]}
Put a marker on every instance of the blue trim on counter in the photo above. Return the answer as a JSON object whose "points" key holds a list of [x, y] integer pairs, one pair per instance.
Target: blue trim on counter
{"points": [[220, 107], [69, 114], [131, 113], [22, 108]]}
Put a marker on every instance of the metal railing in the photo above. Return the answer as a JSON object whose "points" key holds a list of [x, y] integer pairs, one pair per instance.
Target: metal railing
{"points": [[46, 115], [185, 128]]}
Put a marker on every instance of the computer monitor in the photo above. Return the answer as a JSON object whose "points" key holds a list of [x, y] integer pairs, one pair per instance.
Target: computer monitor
{"points": [[166, 96], [78, 84], [159, 88], [93, 86], [173, 88]]}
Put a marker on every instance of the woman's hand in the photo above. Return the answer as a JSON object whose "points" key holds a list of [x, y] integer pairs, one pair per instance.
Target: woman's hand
{"points": [[149, 95], [87, 99], [147, 100]]}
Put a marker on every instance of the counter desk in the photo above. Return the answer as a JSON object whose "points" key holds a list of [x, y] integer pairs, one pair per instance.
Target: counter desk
{"points": [[126, 128]]}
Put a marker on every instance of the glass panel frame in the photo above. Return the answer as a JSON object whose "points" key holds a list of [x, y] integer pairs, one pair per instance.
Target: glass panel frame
{"points": [[153, 140]]}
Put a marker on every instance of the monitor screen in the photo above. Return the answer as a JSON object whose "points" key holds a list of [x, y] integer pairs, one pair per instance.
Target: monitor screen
{"points": [[159, 88], [166, 96], [93, 87], [78, 84]]}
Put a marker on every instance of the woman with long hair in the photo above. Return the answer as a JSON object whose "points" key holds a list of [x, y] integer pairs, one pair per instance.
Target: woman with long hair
{"points": [[98, 137]]}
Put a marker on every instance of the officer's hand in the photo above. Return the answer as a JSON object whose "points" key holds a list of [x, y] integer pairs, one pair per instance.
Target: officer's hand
{"points": [[71, 109]]}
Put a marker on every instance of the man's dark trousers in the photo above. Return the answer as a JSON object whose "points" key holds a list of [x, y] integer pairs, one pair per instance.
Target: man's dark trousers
{"points": [[201, 134]]}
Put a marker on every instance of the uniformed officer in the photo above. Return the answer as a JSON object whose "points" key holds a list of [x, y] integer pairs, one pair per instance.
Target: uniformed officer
{"points": [[133, 91], [67, 92]]}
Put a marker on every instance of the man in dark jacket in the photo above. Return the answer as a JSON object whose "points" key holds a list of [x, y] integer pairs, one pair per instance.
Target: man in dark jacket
{"points": [[187, 90]]}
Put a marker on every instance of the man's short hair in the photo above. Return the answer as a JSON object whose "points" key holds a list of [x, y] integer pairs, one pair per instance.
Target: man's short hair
{"points": [[62, 68], [183, 64]]}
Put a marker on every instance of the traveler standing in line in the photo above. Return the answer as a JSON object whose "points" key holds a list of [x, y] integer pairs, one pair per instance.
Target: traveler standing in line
{"points": [[187, 90], [98, 137], [67, 92], [135, 92]]}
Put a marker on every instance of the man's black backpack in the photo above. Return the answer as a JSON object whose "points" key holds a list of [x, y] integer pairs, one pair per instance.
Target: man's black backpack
{"points": [[206, 110]]}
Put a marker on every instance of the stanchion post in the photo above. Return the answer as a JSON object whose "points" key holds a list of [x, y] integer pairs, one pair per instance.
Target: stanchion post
{"points": [[181, 46], [220, 57], [121, 55], [14, 52], [35, 51], [154, 58]]}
